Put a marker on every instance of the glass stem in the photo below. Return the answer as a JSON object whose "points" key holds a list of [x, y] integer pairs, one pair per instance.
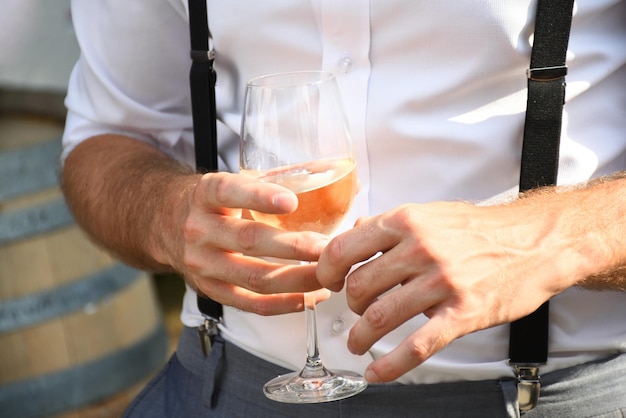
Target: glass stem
{"points": [[314, 366]]}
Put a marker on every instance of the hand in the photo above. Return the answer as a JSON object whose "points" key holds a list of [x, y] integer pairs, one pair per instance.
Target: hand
{"points": [[156, 214], [218, 251], [465, 267]]}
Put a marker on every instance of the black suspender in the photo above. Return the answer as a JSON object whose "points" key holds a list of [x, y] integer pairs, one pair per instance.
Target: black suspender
{"points": [[528, 348], [202, 79], [540, 154]]}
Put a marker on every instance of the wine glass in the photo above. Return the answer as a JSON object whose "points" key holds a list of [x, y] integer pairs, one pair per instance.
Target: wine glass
{"points": [[294, 133]]}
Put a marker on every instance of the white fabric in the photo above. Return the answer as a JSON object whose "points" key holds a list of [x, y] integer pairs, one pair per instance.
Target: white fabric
{"points": [[435, 92]]}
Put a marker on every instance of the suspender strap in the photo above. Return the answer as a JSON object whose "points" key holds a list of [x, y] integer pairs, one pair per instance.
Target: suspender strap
{"points": [[540, 155], [202, 79], [546, 94]]}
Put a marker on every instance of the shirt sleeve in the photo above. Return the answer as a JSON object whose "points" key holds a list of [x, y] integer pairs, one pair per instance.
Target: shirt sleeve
{"points": [[132, 74]]}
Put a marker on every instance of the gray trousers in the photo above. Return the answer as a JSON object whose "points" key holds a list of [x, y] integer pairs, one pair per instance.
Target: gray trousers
{"points": [[229, 384]]}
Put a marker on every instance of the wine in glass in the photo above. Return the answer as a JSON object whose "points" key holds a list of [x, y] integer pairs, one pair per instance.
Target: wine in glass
{"points": [[294, 133]]}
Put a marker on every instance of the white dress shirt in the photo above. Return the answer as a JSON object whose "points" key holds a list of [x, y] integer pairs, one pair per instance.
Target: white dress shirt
{"points": [[435, 92]]}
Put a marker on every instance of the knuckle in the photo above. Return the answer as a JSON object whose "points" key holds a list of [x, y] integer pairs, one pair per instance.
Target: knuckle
{"points": [[445, 279], [354, 287], [247, 236], [190, 230], [404, 219], [403, 216], [387, 370], [418, 350], [295, 244], [256, 282], [376, 316], [371, 228], [220, 186], [191, 263], [334, 251], [200, 285]]}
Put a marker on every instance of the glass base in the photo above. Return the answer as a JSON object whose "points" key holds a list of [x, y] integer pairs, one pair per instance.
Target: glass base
{"points": [[325, 387]]}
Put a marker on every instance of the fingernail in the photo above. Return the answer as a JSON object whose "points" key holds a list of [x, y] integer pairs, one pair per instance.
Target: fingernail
{"points": [[371, 377], [283, 199]]}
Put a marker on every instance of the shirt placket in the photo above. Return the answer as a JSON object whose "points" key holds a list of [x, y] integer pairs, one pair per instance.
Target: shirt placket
{"points": [[345, 31]]}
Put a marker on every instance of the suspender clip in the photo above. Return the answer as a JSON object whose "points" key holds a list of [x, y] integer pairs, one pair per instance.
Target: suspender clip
{"points": [[528, 386], [547, 73], [207, 332]]}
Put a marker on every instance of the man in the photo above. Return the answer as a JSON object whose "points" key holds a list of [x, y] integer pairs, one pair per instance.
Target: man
{"points": [[435, 94]]}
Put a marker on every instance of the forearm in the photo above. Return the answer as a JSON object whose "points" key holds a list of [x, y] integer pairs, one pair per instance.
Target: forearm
{"points": [[613, 278], [127, 196], [594, 219]]}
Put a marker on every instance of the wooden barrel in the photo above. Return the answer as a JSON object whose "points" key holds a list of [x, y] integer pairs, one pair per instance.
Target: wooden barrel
{"points": [[76, 327]]}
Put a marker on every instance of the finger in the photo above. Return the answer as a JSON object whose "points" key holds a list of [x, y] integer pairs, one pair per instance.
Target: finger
{"points": [[432, 337], [259, 239], [255, 274], [237, 191], [350, 248], [246, 300], [389, 312], [379, 275], [313, 298]]}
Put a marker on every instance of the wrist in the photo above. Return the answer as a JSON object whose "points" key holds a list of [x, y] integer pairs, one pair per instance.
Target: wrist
{"points": [[585, 228], [167, 244]]}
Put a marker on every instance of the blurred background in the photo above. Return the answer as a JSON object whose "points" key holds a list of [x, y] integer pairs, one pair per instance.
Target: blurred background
{"points": [[80, 333]]}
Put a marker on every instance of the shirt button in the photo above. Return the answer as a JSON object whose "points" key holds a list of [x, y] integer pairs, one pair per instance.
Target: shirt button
{"points": [[345, 65], [339, 325]]}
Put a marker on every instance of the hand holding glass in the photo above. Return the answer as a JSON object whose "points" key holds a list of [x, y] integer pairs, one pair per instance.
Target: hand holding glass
{"points": [[294, 133]]}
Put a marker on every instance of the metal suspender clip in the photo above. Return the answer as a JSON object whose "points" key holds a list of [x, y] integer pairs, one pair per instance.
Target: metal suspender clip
{"points": [[207, 332], [528, 386], [547, 73], [202, 56]]}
